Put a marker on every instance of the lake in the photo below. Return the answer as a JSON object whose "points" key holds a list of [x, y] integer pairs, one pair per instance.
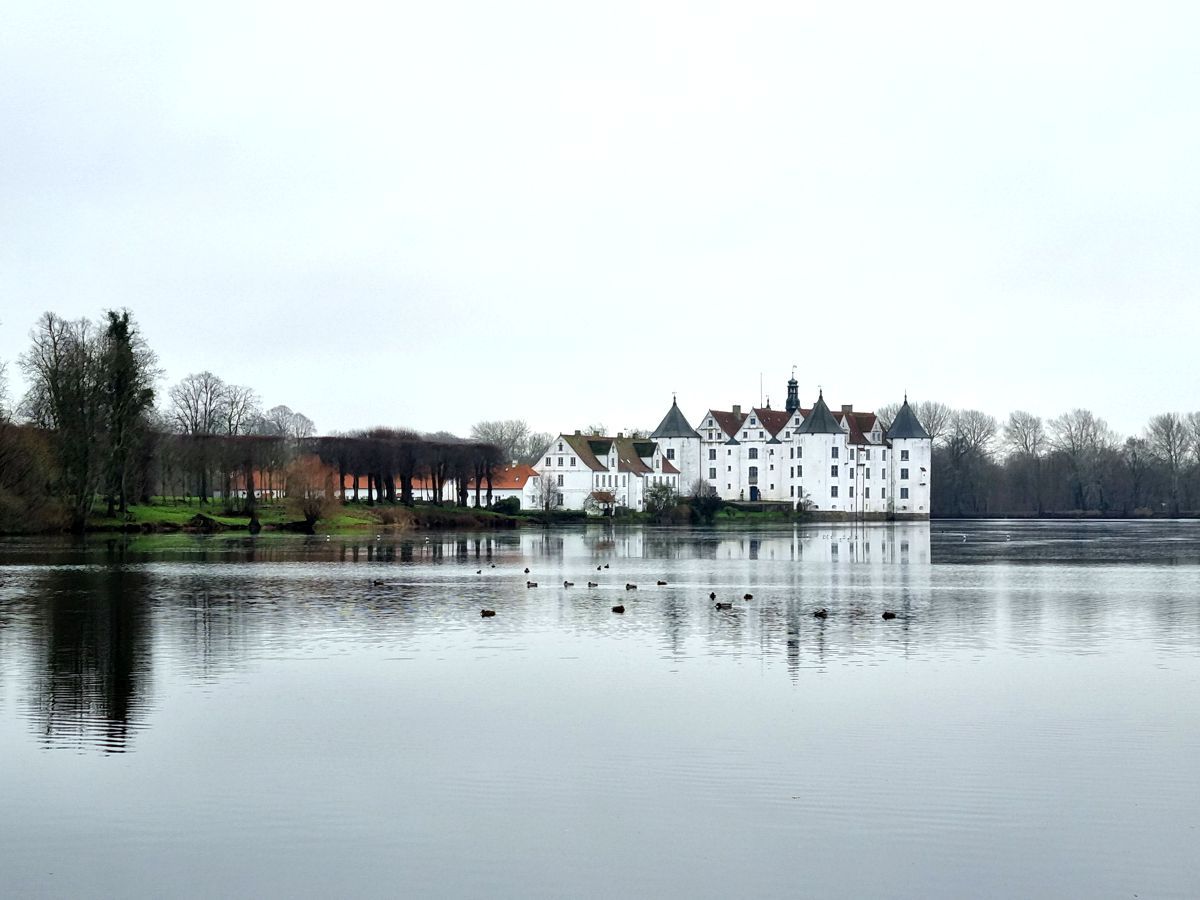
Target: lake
{"points": [[287, 716]]}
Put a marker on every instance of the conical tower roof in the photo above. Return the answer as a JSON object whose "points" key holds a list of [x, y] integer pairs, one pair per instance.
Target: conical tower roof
{"points": [[906, 424], [674, 425], [820, 420]]}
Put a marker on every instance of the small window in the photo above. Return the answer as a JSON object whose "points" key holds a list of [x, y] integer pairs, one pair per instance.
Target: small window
{"points": [[754, 471], [791, 471], [866, 454], [799, 471], [560, 481], [852, 491], [670, 453], [560, 446], [883, 493], [572, 460], [903, 493], [799, 453], [866, 493], [852, 453], [760, 434], [712, 454], [745, 434], [903, 456], [712, 474], [548, 462], [834, 453], [904, 474], [754, 453], [833, 491], [833, 471], [752, 421]]}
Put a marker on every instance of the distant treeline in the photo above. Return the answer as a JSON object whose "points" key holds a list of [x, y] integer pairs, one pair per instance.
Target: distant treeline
{"points": [[1073, 464]]}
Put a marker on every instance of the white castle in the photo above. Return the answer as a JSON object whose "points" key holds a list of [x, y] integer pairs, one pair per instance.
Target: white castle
{"points": [[836, 464]]}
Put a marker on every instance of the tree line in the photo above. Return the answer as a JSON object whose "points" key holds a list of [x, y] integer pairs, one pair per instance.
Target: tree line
{"points": [[1074, 463], [92, 424]]}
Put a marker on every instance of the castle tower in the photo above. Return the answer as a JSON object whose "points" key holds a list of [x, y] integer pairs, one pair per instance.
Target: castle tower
{"points": [[909, 465], [680, 444], [793, 398]]}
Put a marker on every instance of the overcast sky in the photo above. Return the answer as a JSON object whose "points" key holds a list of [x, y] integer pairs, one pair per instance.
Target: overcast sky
{"points": [[432, 213]]}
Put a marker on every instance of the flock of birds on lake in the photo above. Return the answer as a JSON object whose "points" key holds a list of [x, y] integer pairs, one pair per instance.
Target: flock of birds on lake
{"points": [[821, 613]]}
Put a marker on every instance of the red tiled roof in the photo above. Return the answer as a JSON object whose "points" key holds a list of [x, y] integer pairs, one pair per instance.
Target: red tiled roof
{"points": [[773, 419], [728, 422], [669, 468], [579, 443], [508, 478]]}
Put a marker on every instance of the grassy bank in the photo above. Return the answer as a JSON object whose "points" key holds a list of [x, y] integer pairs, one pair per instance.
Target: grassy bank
{"points": [[170, 516]]}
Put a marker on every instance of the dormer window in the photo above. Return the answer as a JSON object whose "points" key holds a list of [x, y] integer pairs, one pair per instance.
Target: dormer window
{"points": [[752, 422], [560, 446]]}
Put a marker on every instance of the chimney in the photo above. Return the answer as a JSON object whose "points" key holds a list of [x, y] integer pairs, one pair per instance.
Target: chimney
{"points": [[847, 407], [577, 432], [620, 434], [737, 410]]}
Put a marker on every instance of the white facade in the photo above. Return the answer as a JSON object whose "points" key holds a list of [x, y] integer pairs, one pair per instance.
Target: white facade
{"points": [[576, 468], [840, 463]]}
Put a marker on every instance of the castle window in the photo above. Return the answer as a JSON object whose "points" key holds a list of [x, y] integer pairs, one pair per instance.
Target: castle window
{"points": [[867, 493], [560, 446], [754, 453], [852, 453], [760, 434], [851, 491], [745, 434], [904, 474], [799, 471], [903, 493], [572, 460], [712, 454], [791, 471], [752, 422], [834, 453], [560, 483], [866, 454], [712, 474], [754, 472], [548, 461], [560, 459], [833, 473], [883, 493], [903, 456], [670, 453], [833, 491], [868, 474]]}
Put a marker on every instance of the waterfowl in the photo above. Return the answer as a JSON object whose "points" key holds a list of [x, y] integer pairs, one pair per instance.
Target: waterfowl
{"points": [[618, 609], [606, 565], [530, 584], [748, 597], [593, 584], [712, 595], [377, 583], [598, 568], [821, 613], [479, 571], [888, 614], [631, 587], [487, 612], [568, 584], [724, 606], [527, 570], [661, 583]]}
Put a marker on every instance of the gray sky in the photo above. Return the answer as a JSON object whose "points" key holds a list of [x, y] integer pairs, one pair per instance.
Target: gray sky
{"points": [[427, 214]]}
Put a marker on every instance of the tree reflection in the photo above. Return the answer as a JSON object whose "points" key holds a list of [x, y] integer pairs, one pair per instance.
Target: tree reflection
{"points": [[94, 641]]}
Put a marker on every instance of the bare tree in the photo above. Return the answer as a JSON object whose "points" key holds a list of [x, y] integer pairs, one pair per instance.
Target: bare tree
{"points": [[5, 413], [1169, 439], [239, 410], [937, 418], [1024, 433], [1136, 458], [538, 441], [1082, 439], [197, 403], [596, 428], [510, 435], [66, 394], [976, 430]]}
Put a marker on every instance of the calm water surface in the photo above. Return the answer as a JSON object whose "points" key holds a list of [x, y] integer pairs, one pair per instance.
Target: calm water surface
{"points": [[311, 717]]}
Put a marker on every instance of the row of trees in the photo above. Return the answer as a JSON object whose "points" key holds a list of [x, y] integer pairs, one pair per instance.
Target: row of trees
{"points": [[1071, 463], [89, 426]]}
